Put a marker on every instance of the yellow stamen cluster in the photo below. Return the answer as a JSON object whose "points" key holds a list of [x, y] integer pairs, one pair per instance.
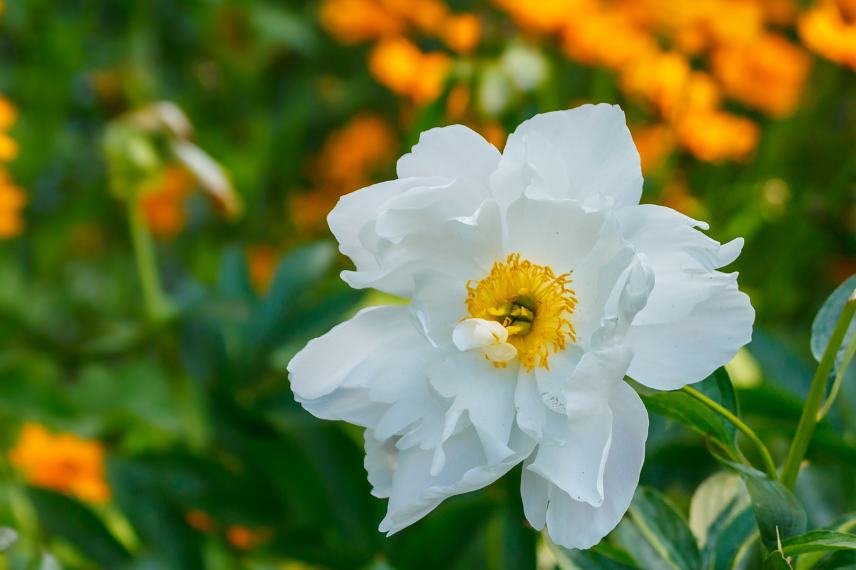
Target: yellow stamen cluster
{"points": [[531, 302]]}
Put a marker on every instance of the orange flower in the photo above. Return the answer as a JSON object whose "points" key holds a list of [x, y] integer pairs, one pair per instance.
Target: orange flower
{"points": [[767, 74], [262, 261], [458, 102], [583, 39], [494, 133], [309, 210], [461, 33], [8, 148], [427, 15], [779, 12], [244, 538], [655, 143], [12, 202], [545, 15], [676, 197], [63, 462], [347, 161], [401, 66], [354, 21], [163, 204], [8, 114], [350, 153], [200, 521], [829, 29], [669, 83], [715, 136], [700, 24]]}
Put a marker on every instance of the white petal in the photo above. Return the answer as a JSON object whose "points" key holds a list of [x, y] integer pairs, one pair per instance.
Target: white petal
{"points": [[482, 391], [478, 333], [531, 412], [670, 239], [670, 353], [429, 203], [695, 318], [558, 233], [577, 524], [464, 247], [415, 491], [358, 211], [577, 433], [577, 466], [453, 152], [370, 371], [438, 305], [379, 463], [598, 158]]}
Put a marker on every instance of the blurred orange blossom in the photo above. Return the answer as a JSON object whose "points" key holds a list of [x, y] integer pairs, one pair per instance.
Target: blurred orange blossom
{"points": [[62, 462]]}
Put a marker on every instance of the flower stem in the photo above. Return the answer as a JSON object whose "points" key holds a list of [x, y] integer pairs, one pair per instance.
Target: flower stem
{"points": [[808, 420], [849, 352], [769, 464], [157, 308]]}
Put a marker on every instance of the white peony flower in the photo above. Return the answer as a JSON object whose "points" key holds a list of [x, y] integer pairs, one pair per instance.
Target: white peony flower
{"points": [[537, 282]]}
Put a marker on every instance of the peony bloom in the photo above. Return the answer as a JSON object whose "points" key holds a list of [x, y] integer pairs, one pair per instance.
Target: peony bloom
{"points": [[536, 283]]}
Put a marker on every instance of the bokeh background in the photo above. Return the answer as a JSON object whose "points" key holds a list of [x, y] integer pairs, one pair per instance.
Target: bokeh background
{"points": [[161, 262]]}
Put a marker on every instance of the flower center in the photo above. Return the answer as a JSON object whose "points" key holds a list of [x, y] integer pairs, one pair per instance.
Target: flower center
{"points": [[531, 302]]}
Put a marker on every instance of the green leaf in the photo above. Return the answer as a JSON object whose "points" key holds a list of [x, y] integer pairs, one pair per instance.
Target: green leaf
{"points": [[158, 521], [296, 273], [814, 541], [723, 521], [779, 514], [844, 523], [656, 534], [685, 409], [234, 278], [441, 540], [718, 386], [602, 557], [76, 523], [826, 319]]}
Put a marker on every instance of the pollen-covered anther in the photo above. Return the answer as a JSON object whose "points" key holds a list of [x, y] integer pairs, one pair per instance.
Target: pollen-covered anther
{"points": [[532, 304]]}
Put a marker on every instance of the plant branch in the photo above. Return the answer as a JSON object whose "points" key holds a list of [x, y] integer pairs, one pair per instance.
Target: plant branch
{"points": [[809, 418], [157, 308], [769, 464]]}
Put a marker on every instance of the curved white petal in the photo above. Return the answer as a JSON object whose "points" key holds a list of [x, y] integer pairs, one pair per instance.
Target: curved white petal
{"points": [[695, 318], [671, 239], [463, 247], [671, 352], [371, 371], [405, 476], [355, 213], [455, 151], [576, 432], [426, 205], [579, 524], [586, 154], [558, 233], [482, 391], [438, 305]]}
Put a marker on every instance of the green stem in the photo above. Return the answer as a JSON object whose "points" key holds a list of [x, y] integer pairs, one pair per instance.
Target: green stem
{"points": [[769, 464], [808, 420], [156, 305], [849, 352]]}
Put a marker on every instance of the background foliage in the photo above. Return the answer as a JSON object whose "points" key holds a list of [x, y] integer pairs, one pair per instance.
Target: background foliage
{"points": [[189, 449]]}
